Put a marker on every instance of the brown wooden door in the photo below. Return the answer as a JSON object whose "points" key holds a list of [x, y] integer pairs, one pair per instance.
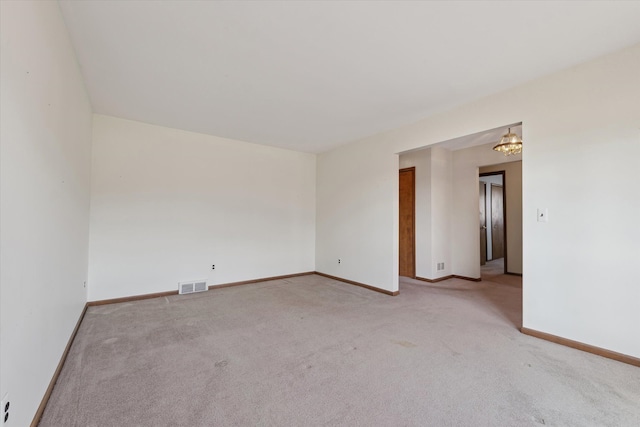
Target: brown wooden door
{"points": [[497, 221], [407, 261], [483, 223]]}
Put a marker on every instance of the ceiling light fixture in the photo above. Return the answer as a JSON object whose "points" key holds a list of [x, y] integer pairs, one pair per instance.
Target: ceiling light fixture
{"points": [[509, 144]]}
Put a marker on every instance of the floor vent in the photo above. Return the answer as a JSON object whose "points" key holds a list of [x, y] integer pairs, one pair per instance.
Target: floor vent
{"points": [[191, 287]]}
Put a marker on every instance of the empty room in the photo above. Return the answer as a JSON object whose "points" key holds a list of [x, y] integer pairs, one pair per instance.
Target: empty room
{"points": [[301, 213]]}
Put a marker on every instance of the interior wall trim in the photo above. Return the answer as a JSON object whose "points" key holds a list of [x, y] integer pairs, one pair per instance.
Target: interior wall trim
{"points": [[362, 285], [131, 298], [502, 173], [624, 358], [451, 276], [56, 373], [211, 287], [471, 279], [247, 282], [439, 279], [265, 279]]}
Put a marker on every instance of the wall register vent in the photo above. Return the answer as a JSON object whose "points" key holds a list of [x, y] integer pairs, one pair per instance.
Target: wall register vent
{"points": [[193, 286]]}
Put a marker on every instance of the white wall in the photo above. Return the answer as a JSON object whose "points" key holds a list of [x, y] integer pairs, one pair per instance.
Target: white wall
{"points": [[167, 204], [433, 209], [44, 179], [576, 122], [441, 211], [351, 206], [421, 160]]}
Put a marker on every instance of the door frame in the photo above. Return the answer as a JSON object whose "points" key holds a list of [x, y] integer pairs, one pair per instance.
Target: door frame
{"points": [[504, 211], [483, 227], [413, 232]]}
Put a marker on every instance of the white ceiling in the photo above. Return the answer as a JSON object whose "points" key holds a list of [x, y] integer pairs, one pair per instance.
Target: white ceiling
{"points": [[486, 137], [309, 75], [489, 136]]}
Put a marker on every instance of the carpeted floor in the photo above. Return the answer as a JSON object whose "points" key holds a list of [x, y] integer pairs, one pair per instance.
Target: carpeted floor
{"points": [[493, 267], [310, 351]]}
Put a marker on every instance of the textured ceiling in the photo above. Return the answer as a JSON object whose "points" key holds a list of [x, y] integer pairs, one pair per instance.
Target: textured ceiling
{"points": [[310, 76]]}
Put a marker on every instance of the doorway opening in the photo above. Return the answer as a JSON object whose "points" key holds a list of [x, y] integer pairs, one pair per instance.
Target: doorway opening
{"points": [[437, 224], [493, 217]]}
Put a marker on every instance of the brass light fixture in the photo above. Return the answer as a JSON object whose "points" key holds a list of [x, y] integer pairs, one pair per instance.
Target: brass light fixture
{"points": [[509, 144]]}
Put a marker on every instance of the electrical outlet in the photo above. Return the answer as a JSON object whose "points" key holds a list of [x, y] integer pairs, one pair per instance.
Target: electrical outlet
{"points": [[543, 215], [339, 261], [5, 410], [213, 266], [440, 266]]}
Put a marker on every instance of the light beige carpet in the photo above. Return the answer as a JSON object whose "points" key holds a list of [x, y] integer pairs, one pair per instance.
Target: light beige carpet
{"points": [[310, 351]]}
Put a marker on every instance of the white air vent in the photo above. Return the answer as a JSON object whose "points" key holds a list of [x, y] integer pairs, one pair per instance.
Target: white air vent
{"points": [[193, 286]]}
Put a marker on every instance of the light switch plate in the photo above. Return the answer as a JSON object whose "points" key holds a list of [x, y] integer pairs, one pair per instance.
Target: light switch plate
{"points": [[543, 215]]}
